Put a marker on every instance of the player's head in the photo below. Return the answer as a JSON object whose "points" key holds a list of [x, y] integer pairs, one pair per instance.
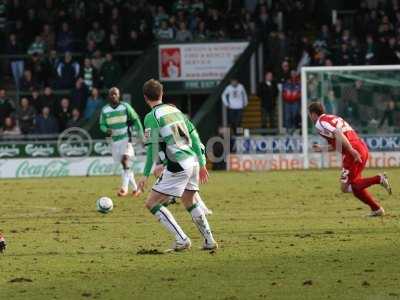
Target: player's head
{"points": [[113, 95], [153, 91], [315, 109], [234, 81]]}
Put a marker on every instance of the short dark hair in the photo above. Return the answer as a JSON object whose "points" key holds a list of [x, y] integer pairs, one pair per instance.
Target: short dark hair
{"points": [[153, 89], [316, 107]]}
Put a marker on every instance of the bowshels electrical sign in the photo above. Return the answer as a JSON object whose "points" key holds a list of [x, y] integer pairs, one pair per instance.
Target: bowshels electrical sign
{"points": [[285, 152], [197, 65]]}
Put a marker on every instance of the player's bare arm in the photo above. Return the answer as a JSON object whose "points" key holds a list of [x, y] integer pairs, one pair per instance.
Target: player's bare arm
{"points": [[322, 148], [203, 174], [344, 142]]}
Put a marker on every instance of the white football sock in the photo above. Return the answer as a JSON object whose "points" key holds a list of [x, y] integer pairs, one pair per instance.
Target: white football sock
{"points": [[132, 181], [201, 204], [165, 217], [125, 179], [200, 220]]}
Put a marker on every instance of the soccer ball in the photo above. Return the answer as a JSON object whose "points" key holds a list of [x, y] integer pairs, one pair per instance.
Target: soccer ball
{"points": [[104, 205]]}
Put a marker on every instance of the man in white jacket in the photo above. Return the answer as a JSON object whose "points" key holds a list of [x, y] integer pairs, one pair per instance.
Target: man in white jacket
{"points": [[235, 99]]}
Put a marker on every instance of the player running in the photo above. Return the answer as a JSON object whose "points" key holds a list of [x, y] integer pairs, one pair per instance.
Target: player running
{"points": [[342, 138], [116, 120], [159, 170], [169, 133]]}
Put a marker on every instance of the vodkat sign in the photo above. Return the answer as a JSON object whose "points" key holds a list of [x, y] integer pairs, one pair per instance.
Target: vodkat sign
{"points": [[208, 61], [264, 162], [57, 167]]}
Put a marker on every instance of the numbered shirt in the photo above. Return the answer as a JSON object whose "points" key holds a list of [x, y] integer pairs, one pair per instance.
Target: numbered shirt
{"points": [[171, 136], [327, 125]]}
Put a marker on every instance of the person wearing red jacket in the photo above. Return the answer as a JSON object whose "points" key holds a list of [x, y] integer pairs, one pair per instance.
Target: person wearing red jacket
{"points": [[291, 96]]}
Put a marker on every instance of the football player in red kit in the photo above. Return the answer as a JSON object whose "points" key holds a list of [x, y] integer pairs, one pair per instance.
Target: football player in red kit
{"points": [[342, 138]]}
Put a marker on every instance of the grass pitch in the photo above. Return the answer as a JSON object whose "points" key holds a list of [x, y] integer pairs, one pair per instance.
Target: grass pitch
{"points": [[283, 235]]}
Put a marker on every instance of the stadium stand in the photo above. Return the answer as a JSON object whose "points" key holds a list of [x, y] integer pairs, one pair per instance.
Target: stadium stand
{"points": [[55, 51]]}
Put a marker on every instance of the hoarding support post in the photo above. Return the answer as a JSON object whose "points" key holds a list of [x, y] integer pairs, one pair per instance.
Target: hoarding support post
{"points": [[253, 83], [261, 62]]}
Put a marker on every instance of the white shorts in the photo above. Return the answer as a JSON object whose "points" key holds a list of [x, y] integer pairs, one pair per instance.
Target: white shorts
{"points": [[120, 148], [174, 184]]}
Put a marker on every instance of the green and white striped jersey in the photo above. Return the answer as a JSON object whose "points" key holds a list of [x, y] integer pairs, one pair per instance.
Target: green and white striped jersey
{"points": [[119, 119], [169, 133]]}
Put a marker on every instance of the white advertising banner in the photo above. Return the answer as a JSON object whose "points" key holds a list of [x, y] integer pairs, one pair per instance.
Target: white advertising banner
{"points": [[56, 167], [202, 61], [292, 161]]}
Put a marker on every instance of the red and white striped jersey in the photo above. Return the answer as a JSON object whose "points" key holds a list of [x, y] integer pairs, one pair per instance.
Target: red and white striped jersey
{"points": [[327, 125]]}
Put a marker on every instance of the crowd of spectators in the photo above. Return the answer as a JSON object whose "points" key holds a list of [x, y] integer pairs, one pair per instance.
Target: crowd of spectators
{"points": [[369, 36], [46, 113], [43, 37]]}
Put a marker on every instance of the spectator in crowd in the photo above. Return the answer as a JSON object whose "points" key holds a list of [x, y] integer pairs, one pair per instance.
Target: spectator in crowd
{"points": [[38, 46], [93, 103], [235, 100], [75, 119], [20, 32], [79, 25], [89, 74], [68, 72], [284, 72], [48, 37], [91, 48], [145, 34], [115, 19], [291, 96], [280, 43], [268, 92], [45, 123], [111, 72], [35, 65], [48, 13], [132, 42], [50, 64], [6, 107], [160, 16], [165, 32], [34, 24], [391, 52], [183, 34], [10, 127], [15, 48], [79, 95], [49, 99], [388, 116], [26, 116], [65, 39], [330, 103], [214, 22], [343, 56], [265, 22], [370, 51], [63, 113], [36, 100], [96, 34], [350, 110], [201, 32], [113, 43], [98, 60]]}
